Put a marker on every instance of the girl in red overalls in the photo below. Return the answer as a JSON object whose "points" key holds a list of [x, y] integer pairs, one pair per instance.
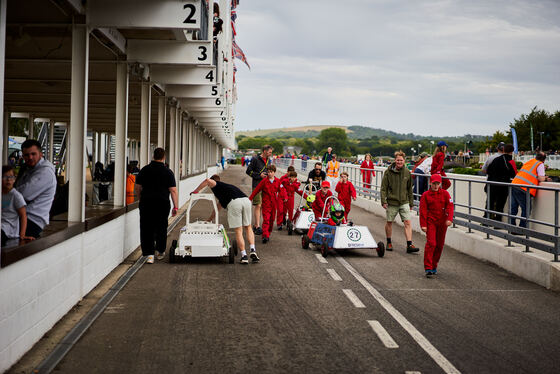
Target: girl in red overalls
{"points": [[438, 160], [436, 214], [282, 205], [346, 193], [366, 169]]}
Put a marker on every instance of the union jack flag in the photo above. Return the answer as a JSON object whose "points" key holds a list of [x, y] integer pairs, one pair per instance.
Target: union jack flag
{"points": [[238, 53]]}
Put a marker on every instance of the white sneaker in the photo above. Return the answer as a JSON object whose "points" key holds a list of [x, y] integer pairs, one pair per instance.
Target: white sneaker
{"points": [[160, 256], [150, 259]]}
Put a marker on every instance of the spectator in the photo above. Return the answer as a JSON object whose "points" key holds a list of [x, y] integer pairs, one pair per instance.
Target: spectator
{"points": [[532, 173], [437, 163], [154, 184], [500, 151], [36, 181], [238, 208], [499, 170], [14, 216], [257, 171], [366, 169], [423, 166], [130, 182], [327, 156], [218, 22], [317, 175], [333, 169], [396, 198]]}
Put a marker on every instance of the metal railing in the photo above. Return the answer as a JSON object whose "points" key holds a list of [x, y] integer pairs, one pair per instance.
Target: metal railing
{"points": [[539, 234]]}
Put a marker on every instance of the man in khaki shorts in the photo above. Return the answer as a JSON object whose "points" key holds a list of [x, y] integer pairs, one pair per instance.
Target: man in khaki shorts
{"points": [[397, 198], [238, 208]]}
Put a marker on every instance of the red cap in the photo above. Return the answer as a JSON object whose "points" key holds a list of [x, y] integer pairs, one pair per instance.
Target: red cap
{"points": [[326, 184], [435, 178]]}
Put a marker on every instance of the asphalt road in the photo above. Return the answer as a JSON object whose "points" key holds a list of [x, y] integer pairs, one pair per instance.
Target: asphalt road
{"points": [[293, 313]]}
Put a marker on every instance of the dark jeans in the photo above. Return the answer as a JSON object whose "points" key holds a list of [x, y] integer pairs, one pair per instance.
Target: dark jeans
{"points": [[519, 199], [498, 197], [420, 184], [153, 227], [33, 229]]}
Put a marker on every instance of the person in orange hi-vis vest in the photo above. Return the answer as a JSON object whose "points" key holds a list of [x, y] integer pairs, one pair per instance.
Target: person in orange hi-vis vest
{"points": [[130, 182], [333, 168], [531, 173]]}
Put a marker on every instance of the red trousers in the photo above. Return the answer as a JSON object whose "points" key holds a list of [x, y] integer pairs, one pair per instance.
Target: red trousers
{"points": [[347, 204], [283, 208], [435, 239], [268, 214]]}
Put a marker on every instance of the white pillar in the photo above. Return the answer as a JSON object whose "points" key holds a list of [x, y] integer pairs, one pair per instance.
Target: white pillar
{"points": [[161, 122], [31, 127], [76, 145], [121, 131], [51, 141], [190, 125], [5, 136], [146, 105], [185, 146], [177, 145], [172, 125]]}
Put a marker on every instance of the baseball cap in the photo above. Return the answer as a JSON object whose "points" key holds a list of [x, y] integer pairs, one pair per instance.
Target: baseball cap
{"points": [[442, 143], [326, 184], [435, 178], [501, 145]]}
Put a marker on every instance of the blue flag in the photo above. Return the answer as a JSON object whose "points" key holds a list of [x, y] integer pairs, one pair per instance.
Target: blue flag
{"points": [[514, 136]]}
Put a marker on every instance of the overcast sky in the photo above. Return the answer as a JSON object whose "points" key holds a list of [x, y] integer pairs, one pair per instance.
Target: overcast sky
{"points": [[439, 67]]}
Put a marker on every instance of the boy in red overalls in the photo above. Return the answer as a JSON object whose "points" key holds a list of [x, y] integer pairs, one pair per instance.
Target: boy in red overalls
{"points": [[436, 214], [291, 185], [346, 193], [281, 205], [270, 187], [320, 198]]}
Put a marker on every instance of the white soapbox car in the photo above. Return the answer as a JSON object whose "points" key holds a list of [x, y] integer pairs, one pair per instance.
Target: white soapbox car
{"points": [[202, 238]]}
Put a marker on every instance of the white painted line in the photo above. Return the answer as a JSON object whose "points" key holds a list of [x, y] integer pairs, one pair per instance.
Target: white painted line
{"points": [[414, 333], [321, 258], [412, 372], [354, 299], [334, 275], [383, 335]]}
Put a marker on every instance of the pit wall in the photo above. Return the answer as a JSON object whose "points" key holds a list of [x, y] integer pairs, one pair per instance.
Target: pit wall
{"points": [[37, 291]]}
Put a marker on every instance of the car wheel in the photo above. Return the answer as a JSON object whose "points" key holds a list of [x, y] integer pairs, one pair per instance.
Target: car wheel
{"points": [[232, 251], [380, 249], [304, 242], [290, 227], [172, 256], [324, 249]]}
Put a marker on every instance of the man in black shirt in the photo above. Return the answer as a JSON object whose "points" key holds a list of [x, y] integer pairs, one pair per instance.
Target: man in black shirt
{"points": [[238, 206], [154, 183], [317, 175], [257, 171]]}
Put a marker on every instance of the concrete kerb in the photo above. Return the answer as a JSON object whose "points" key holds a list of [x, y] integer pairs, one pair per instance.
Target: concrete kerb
{"points": [[532, 266]]}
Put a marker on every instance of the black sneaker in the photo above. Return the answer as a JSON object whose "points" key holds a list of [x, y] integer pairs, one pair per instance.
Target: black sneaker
{"points": [[279, 227], [411, 249], [244, 260], [254, 257], [429, 273], [265, 240], [389, 247], [258, 231]]}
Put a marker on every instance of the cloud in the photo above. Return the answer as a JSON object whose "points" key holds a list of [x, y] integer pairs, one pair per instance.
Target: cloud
{"points": [[428, 67]]}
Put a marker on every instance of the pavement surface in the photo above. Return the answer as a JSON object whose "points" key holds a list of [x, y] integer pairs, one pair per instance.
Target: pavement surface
{"points": [[294, 312]]}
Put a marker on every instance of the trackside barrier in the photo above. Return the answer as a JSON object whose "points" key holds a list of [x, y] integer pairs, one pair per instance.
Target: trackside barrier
{"points": [[472, 206]]}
